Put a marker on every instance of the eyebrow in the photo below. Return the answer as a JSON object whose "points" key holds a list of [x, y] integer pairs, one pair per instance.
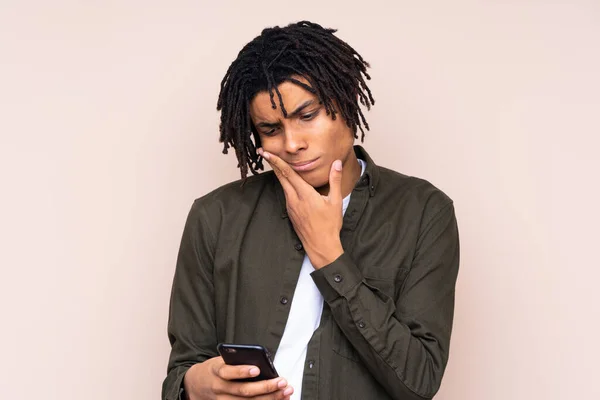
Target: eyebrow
{"points": [[293, 114]]}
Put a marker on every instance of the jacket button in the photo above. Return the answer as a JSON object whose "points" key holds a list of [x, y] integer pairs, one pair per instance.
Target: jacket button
{"points": [[311, 364], [361, 324], [298, 246], [338, 278], [283, 300]]}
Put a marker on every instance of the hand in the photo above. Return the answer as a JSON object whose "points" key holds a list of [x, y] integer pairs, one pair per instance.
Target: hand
{"points": [[317, 219], [214, 380]]}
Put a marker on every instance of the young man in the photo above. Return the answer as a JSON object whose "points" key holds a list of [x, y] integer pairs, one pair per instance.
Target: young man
{"points": [[343, 269]]}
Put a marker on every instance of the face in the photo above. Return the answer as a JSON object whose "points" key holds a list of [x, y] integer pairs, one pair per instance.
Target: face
{"points": [[308, 139]]}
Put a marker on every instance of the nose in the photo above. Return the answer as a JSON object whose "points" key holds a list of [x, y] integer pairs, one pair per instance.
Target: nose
{"points": [[294, 141]]}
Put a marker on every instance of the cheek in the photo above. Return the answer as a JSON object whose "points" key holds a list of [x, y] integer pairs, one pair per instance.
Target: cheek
{"points": [[271, 144], [327, 132], [339, 138]]}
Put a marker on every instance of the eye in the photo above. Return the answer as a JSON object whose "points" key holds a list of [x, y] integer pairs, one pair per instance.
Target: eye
{"points": [[309, 116], [270, 132]]}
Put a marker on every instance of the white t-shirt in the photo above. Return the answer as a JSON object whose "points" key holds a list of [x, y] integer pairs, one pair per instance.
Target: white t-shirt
{"points": [[303, 320]]}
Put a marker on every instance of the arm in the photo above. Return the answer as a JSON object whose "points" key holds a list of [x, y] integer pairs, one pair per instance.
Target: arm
{"points": [[404, 342], [191, 326], [195, 371]]}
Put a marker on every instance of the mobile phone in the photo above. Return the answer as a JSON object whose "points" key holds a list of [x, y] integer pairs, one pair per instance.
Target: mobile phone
{"points": [[249, 354]]}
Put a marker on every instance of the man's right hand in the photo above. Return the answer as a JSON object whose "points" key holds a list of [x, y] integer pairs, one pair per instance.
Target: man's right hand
{"points": [[215, 380]]}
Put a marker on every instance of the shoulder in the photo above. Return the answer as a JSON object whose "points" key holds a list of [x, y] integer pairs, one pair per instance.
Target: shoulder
{"points": [[238, 189], [415, 192], [232, 196]]}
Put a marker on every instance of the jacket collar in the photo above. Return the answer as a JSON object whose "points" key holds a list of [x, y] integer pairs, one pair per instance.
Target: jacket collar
{"points": [[370, 178]]}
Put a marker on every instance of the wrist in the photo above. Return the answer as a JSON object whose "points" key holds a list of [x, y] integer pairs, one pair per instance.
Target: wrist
{"points": [[184, 390], [320, 259], [189, 381]]}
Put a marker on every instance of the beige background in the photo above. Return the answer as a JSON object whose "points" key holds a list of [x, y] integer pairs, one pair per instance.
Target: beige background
{"points": [[108, 131]]}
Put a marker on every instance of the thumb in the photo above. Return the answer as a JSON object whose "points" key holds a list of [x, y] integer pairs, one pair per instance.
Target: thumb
{"points": [[335, 182]]}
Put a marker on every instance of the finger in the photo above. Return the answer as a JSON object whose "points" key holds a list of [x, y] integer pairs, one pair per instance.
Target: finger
{"points": [[231, 372], [279, 395], [287, 172], [287, 186], [271, 396], [259, 388], [287, 393], [335, 182]]}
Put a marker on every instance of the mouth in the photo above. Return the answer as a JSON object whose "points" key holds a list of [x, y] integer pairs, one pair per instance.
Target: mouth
{"points": [[303, 166]]}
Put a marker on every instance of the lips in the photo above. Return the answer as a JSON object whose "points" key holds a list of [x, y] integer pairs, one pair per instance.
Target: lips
{"points": [[304, 165]]}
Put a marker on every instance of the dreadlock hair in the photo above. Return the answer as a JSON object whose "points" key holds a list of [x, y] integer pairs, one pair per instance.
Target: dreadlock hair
{"points": [[335, 71]]}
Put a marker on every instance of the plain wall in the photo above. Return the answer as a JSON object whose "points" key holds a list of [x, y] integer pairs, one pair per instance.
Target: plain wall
{"points": [[108, 131]]}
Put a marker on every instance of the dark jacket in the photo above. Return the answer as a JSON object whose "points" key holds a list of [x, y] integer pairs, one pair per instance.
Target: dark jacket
{"points": [[389, 299]]}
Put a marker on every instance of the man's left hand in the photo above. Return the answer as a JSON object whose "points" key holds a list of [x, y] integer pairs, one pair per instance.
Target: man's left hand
{"points": [[317, 219]]}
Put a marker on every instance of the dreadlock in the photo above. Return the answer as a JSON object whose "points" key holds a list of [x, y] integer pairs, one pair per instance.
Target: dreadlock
{"points": [[335, 71]]}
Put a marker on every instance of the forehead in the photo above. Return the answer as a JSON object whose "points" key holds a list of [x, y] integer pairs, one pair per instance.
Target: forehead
{"points": [[292, 96]]}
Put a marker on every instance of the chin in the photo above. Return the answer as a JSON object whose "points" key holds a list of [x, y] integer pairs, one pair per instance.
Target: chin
{"points": [[315, 179]]}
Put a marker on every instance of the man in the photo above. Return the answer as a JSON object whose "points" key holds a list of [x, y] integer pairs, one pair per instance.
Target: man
{"points": [[343, 269]]}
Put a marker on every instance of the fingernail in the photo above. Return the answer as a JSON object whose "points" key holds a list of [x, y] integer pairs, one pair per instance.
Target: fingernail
{"points": [[337, 164], [254, 371], [260, 151], [281, 384], [288, 391], [265, 155]]}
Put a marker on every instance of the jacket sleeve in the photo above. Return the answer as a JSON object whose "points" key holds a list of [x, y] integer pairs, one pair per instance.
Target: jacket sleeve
{"points": [[191, 325], [403, 342]]}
